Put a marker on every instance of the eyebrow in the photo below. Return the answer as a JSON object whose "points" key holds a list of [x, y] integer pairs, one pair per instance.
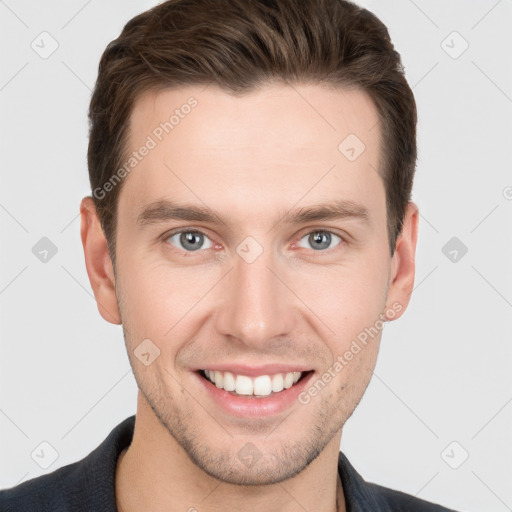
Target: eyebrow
{"points": [[165, 210]]}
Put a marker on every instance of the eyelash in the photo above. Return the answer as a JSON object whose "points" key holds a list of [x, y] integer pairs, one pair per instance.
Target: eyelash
{"points": [[185, 253]]}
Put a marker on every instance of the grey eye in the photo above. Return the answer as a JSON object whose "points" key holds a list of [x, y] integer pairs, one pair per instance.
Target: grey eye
{"points": [[190, 240], [319, 240]]}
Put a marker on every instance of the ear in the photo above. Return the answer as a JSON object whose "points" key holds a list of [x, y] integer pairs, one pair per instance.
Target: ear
{"points": [[401, 281], [98, 262]]}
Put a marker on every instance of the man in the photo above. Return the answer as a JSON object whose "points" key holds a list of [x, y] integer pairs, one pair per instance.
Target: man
{"points": [[251, 228]]}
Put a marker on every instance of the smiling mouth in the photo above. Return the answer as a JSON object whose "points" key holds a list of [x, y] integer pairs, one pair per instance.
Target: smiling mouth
{"points": [[258, 387]]}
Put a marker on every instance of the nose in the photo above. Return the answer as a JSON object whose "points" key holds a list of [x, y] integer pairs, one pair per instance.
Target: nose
{"points": [[256, 307]]}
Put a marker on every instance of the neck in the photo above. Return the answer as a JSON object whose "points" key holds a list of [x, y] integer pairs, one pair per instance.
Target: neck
{"points": [[155, 474]]}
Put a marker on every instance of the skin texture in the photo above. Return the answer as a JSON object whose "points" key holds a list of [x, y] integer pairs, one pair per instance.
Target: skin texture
{"points": [[250, 159]]}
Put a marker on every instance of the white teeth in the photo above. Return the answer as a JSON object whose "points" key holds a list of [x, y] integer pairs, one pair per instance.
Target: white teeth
{"points": [[218, 379], [288, 381], [243, 385], [262, 385], [277, 383], [229, 381]]}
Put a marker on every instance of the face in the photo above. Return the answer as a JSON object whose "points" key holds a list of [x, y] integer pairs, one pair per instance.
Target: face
{"points": [[227, 262]]}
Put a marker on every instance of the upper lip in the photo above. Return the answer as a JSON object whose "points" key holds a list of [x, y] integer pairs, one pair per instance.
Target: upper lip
{"points": [[255, 371]]}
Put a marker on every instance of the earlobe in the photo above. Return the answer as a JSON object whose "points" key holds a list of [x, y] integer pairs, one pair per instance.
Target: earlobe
{"points": [[403, 265], [98, 262]]}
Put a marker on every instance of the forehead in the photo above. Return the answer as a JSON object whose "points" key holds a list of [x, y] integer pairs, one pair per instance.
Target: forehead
{"points": [[218, 118], [271, 146]]}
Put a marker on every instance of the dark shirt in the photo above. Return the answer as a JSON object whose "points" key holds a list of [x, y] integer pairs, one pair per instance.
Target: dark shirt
{"points": [[89, 485]]}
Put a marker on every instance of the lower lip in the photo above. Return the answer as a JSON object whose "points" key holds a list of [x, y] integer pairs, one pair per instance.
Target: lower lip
{"points": [[245, 406]]}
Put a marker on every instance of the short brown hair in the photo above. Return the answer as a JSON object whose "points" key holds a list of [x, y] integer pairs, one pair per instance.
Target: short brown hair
{"points": [[238, 45]]}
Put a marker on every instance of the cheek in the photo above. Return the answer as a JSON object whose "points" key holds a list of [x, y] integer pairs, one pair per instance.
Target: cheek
{"points": [[348, 297], [156, 297]]}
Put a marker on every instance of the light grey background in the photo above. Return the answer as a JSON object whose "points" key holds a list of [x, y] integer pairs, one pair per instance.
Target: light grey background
{"points": [[444, 371]]}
